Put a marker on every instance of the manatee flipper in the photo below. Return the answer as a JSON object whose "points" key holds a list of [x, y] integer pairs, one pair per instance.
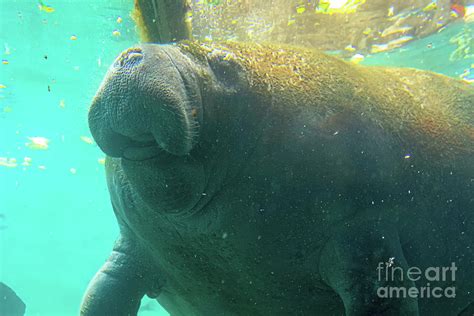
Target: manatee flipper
{"points": [[10, 303], [354, 264], [162, 21], [118, 287], [468, 310]]}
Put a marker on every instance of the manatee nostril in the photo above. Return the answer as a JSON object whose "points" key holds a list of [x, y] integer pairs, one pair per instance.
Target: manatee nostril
{"points": [[129, 58]]}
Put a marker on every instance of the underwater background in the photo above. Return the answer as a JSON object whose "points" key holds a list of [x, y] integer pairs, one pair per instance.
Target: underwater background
{"points": [[56, 223]]}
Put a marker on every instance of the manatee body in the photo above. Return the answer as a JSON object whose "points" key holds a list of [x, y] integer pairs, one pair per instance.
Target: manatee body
{"points": [[264, 180]]}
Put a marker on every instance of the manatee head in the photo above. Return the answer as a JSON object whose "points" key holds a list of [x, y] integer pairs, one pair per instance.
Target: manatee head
{"points": [[147, 114], [178, 122], [150, 97]]}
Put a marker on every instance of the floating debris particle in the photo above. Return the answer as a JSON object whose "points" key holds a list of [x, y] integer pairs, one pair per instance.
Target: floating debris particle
{"points": [[7, 49], [26, 161], [458, 10], [291, 20], [44, 7], [8, 162], [391, 11], [73, 170], [465, 43], [338, 6], [189, 17], [119, 19], [357, 58], [116, 33], [300, 10], [38, 143], [101, 161], [395, 29], [87, 140], [468, 80], [367, 31], [2, 86], [390, 262], [5, 61], [378, 48], [407, 156], [62, 104], [465, 73], [350, 48], [42, 167], [430, 7], [430, 45], [399, 41], [73, 37], [469, 16]]}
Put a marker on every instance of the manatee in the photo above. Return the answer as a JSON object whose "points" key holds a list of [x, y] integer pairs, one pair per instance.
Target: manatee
{"points": [[273, 180], [10, 303]]}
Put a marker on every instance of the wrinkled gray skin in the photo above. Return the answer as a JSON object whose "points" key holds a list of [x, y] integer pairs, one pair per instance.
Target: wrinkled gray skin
{"points": [[228, 206]]}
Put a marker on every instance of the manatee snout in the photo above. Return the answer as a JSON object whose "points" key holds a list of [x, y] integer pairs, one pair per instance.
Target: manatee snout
{"points": [[148, 111], [149, 102]]}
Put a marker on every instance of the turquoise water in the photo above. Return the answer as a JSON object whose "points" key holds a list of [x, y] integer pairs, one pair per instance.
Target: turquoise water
{"points": [[57, 226]]}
